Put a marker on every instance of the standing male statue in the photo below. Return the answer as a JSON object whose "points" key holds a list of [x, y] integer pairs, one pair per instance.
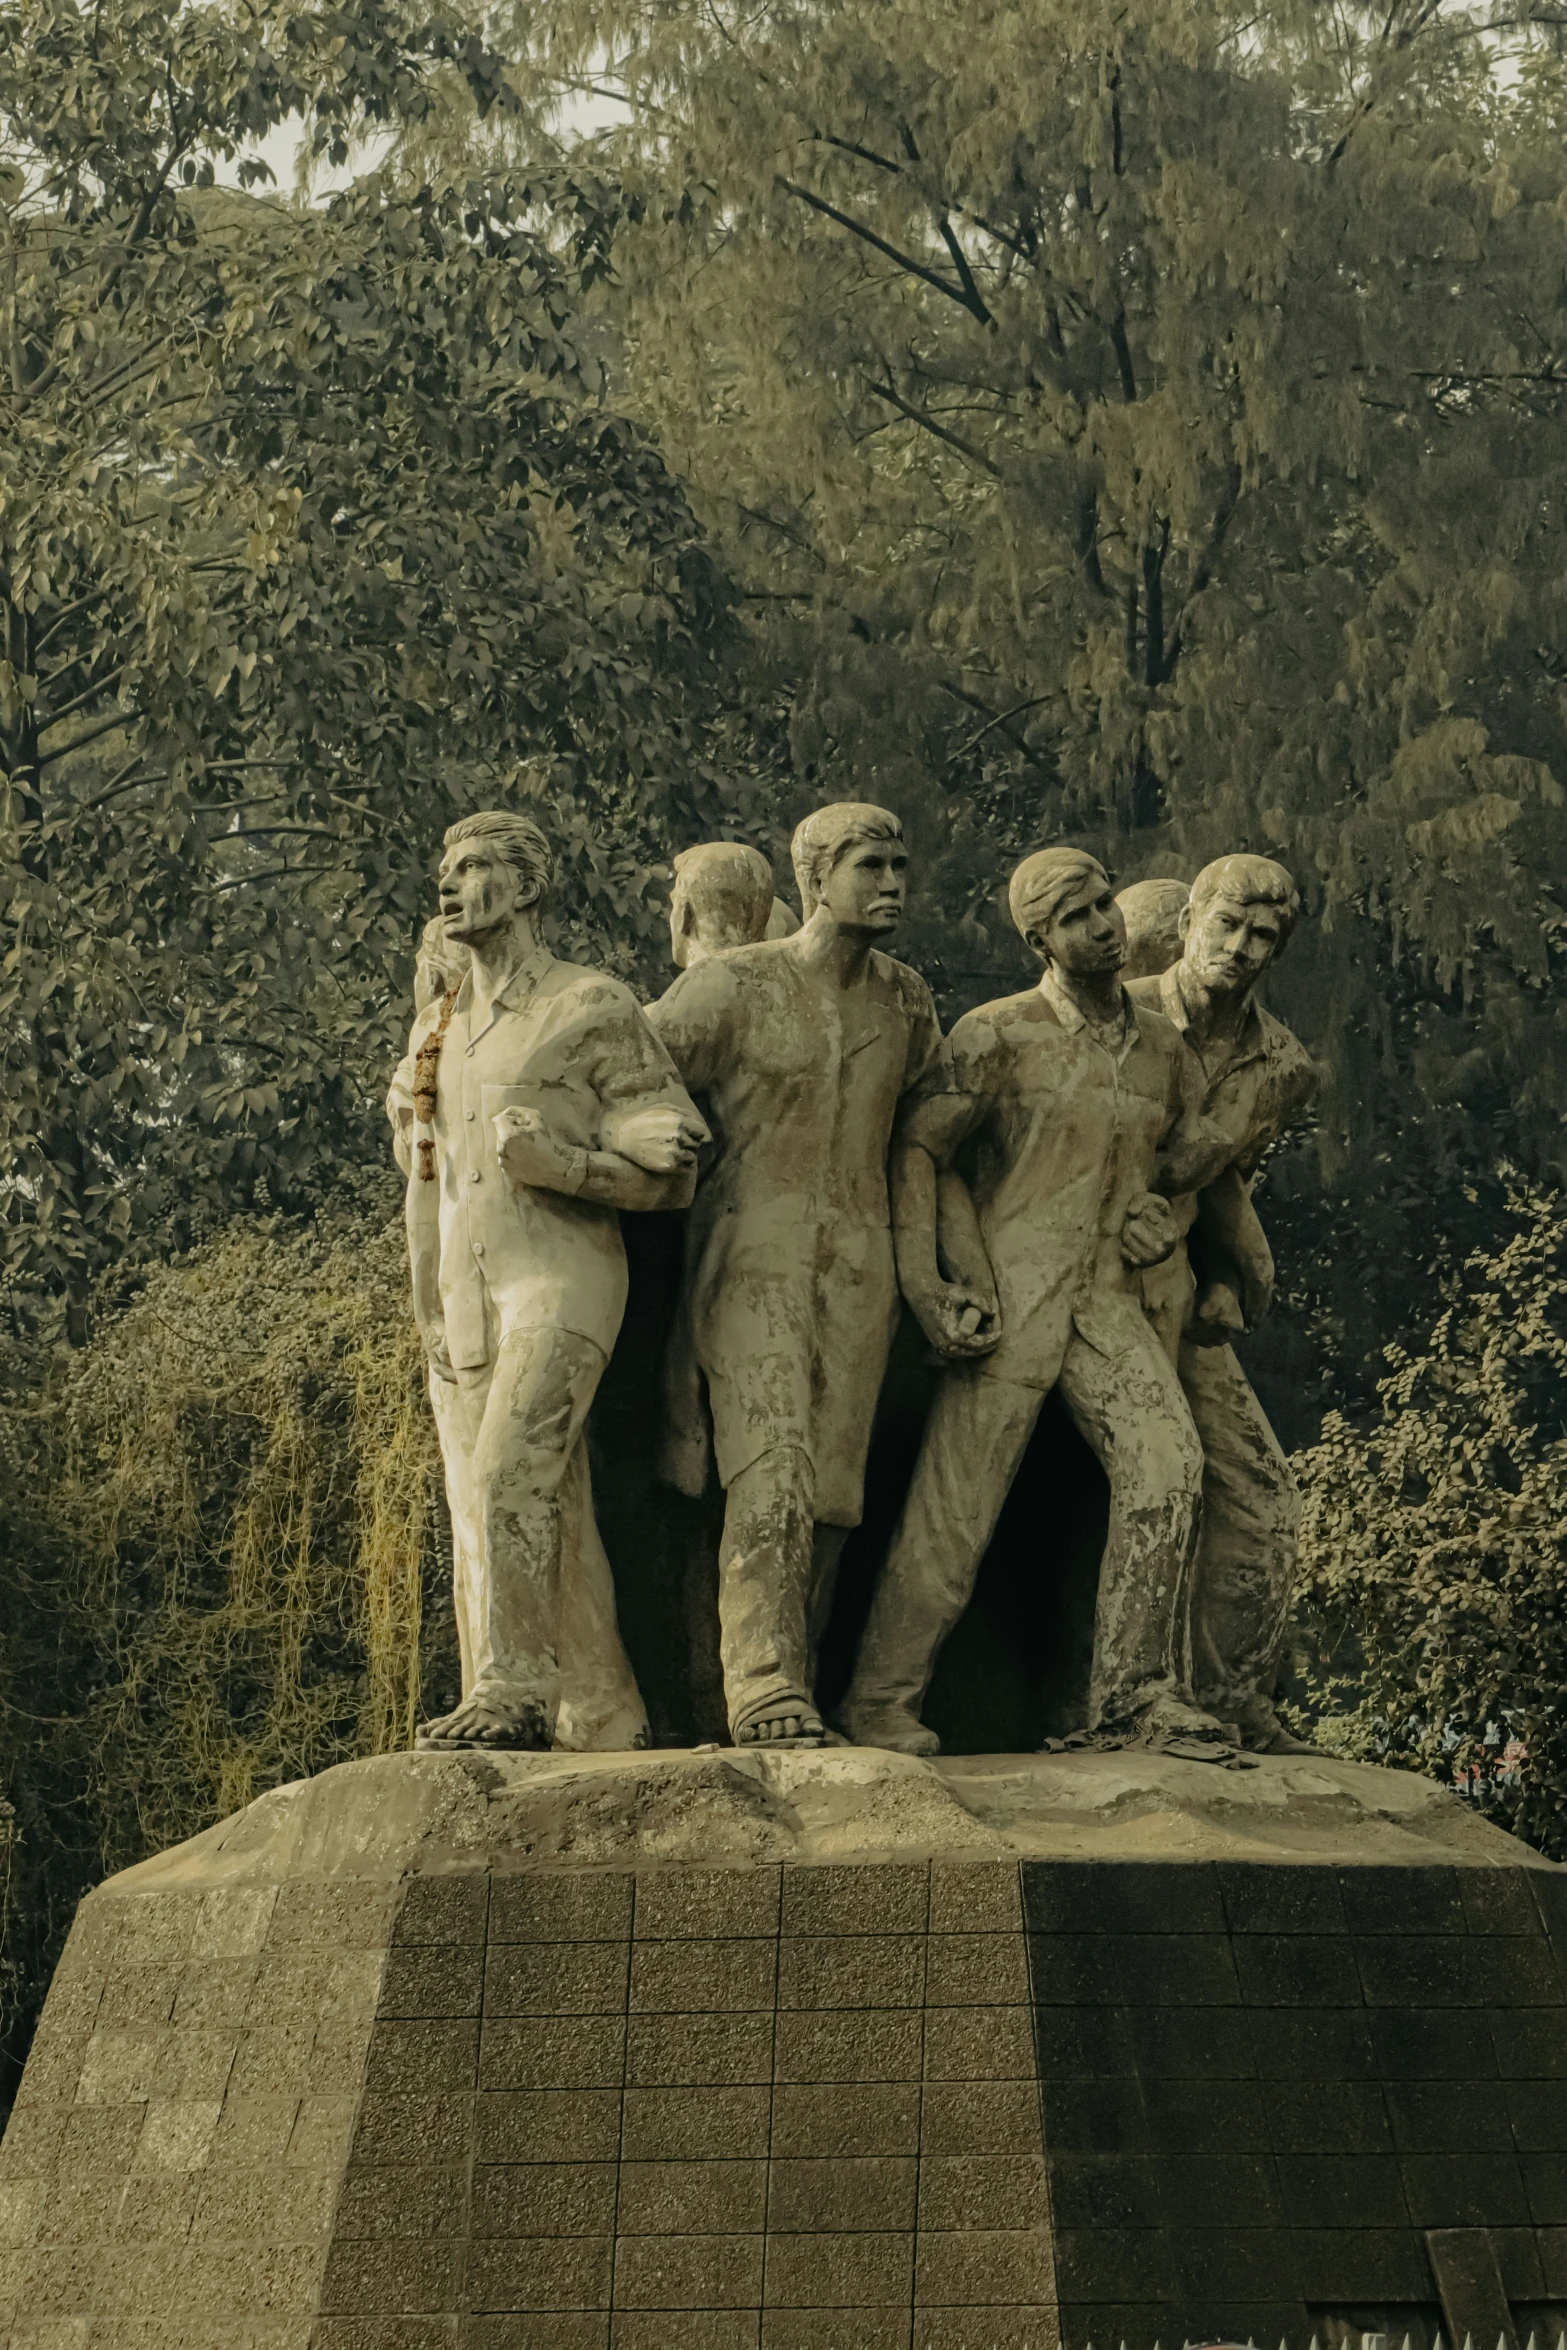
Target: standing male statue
{"points": [[722, 898], [1064, 1108], [536, 1102], [799, 1050], [1152, 913], [1258, 1080]]}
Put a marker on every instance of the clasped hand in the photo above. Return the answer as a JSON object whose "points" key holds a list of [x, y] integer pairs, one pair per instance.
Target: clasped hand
{"points": [[958, 1320], [1149, 1233]]}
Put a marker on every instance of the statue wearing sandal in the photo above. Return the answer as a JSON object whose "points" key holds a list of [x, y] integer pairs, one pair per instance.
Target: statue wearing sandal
{"points": [[799, 1051]]}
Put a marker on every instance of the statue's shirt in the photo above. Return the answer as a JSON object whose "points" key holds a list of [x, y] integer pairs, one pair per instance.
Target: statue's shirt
{"points": [[574, 1045], [793, 1295], [1252, 1094], [1058, 1127]]}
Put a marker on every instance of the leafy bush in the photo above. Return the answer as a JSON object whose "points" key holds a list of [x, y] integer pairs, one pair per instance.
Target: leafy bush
{"points": [[1434, 1542], [220, 1519]]}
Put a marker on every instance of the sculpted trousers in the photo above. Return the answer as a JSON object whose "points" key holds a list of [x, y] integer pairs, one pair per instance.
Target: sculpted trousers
{"points": [[1130, 1409], [776, 1571], [535, 1600], [1245, 1570]]}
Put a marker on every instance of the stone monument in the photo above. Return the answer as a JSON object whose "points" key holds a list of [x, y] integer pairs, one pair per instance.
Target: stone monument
{"points": [[790, 2045]]}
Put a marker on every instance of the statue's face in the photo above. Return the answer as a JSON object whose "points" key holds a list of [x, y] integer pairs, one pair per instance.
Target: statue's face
{"points": [[1229, 945], [866, 888], [479, 891], [1086, 935]]}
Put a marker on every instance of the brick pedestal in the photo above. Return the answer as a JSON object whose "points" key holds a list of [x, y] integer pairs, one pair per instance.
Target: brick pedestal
{"points": [[907, 2104]]}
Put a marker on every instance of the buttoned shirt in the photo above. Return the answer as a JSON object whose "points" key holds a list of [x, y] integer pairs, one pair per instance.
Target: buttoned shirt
{"points": [[574, 1045], [1058, 1126]]}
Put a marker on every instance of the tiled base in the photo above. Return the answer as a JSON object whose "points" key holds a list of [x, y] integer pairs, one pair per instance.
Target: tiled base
{"points": [[914, 2106]]}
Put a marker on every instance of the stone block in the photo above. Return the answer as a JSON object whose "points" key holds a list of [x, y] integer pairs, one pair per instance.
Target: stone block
{"points": [[556, 1978], [698, 2051], [232, 1921], [213, 1992], [552, 2052], [139, 1996], [432, 1979], [402, 2128], [545, 2199], [711, 2197], [335, 1914], [525, 2330], [865, 2192], [451, 1909], [851, 1970], [1175, 1970], [371, 2277], [976, 1970], [547, 2125], [401, 2199], [693, 1977], [1341, 2190], [683, 2125], [410, 2057], [706, 1904], [864, 2045], [982, 2191], [1296, 1899], [878, 2118], [825, 1900], [834, 2329], [689, 2272], [686, 2329], [540, 2272], [987, 2328], [1202, 2190], [1115, 2189], [980, 2117], [843, 2271], [961, 2267], [975, 1897], [177, 2133], [979, 2044], [1402, 1901], [566, 1905]]}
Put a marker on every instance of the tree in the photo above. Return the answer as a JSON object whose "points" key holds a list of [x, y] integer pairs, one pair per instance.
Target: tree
{"points": [[1147, 423], [1434, 1542], [315, 526]]}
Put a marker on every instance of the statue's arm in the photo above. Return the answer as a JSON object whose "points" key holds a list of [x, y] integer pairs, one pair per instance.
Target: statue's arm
{"points": [[943, 1268]]}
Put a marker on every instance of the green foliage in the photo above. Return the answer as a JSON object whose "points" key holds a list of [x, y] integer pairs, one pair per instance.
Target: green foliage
{"points": [[219, 1522], [316, 527], [1434, 1542], [1146, 423]]}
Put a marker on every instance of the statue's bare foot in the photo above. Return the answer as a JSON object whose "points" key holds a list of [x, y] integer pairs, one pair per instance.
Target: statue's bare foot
{"points": [[787, 1720], [505, 1725], [894, 1727]]}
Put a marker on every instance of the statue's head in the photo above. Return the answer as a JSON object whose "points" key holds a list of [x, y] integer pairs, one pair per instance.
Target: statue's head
{"points": [[722, 898], [1064, 906], [495, 866], [1152, 913], [850, 859], [1239, 919]]}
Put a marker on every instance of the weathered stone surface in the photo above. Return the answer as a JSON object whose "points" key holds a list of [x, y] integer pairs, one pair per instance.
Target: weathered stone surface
{"points": [[730, 1808]]}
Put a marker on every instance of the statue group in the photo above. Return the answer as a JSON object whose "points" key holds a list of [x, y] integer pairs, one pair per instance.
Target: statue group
{"points": [[1059, 1190]]}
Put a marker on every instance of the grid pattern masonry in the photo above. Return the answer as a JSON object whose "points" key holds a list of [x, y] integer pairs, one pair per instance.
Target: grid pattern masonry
{"points": [[874, 2107]]}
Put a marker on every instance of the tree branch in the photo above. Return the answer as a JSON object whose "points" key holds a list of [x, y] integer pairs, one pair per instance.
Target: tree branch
{"points": [[929, 424], [905, 261]]}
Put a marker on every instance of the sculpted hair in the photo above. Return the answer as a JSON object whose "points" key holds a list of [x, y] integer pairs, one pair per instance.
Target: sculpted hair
{"points": [[728, 878], [517, 838], [828, 834], [1041, 882], [1248, 881]]}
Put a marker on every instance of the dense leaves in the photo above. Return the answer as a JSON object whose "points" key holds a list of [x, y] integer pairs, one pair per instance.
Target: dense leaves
{"points": [[315, 526], [1434, 1543]]}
